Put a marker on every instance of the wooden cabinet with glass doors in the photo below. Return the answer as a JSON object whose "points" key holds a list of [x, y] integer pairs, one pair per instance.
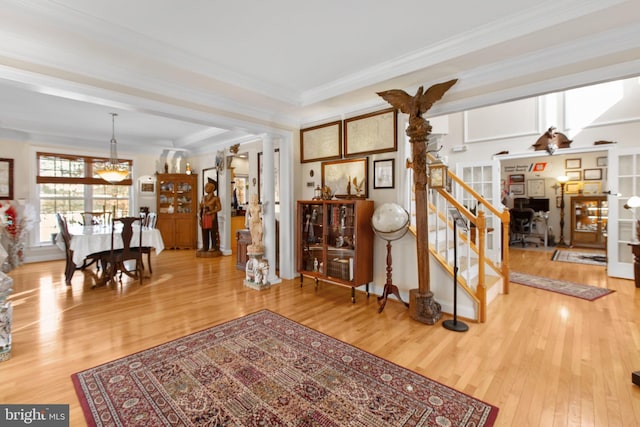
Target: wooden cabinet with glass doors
{"points": [[589, 216], [335, 242], [177, 198]]}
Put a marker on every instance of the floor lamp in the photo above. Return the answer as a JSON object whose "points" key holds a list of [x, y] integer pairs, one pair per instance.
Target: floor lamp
{"points": [[562, 180], [458, 221]]}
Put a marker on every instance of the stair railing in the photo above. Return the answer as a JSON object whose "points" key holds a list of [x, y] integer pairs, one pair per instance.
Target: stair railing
{"points": [[476, 252]]}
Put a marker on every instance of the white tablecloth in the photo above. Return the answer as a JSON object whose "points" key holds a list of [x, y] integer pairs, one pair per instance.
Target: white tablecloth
{"points": [[91, 239]]}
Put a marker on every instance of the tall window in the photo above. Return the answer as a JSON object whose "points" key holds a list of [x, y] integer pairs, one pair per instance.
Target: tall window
{"points": [[68, 184]]}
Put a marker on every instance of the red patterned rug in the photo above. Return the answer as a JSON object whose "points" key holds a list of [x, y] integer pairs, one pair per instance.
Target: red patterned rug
{"points": [[571, 289], [266, 370]]}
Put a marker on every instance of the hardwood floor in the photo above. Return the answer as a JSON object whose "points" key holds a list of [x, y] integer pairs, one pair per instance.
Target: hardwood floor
{"points": [[543, 358]]}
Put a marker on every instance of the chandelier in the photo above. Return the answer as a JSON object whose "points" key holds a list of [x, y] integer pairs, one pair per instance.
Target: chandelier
{"points": [[113, 171]]}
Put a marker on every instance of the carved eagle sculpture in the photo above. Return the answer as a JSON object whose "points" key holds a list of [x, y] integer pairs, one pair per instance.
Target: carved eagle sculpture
{"points": [[551, 140], [416, 105]]}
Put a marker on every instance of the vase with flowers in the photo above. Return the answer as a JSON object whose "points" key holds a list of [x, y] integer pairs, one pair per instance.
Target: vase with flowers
{"points": [[16, 220]]}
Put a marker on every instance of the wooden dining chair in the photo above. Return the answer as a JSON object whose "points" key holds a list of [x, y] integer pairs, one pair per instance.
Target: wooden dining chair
{"points": [[96, 218], [70, 266], [149, 221], [115, 260]]}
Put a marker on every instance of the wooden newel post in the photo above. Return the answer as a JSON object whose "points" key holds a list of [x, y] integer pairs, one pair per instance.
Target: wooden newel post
{"points": [[422, 306]]}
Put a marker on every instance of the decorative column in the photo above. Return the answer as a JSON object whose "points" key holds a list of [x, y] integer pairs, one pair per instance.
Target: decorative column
{"points": [[268, 207], [6, 314], [422, 306]]}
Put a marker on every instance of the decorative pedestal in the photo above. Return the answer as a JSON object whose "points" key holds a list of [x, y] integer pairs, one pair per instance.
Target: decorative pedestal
{"points": [[257, 272], [6, 312], [423, 308]]}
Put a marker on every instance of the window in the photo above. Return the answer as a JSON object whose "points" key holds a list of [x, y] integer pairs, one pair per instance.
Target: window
{"points": [[69, 185]]}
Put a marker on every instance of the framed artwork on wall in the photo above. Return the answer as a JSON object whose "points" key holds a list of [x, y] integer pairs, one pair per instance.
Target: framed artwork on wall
{"points": [[573, 175], [572, 187], [592, 188], [383, 173], [592, 174], [6, 179], [322, 142], [371, 133], [572, 163], [345, 177], [516, 189], [602, 162], [535, 188], [516, 178]]}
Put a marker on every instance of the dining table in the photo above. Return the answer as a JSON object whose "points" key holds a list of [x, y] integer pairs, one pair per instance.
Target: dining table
{"points": [[91, 239]]}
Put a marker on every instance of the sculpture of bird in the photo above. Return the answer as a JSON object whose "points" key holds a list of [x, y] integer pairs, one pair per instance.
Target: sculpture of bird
{"points": [[552, 140], [421, 102], [358, 187]]}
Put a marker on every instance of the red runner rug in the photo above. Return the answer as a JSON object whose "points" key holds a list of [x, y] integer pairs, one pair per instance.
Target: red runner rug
{"points": [[264, 369], [571, 289]]}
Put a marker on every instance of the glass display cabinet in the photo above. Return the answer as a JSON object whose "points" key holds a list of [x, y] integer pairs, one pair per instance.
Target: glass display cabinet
{"points": [[335, 242], [589, 216], [177, 205]]}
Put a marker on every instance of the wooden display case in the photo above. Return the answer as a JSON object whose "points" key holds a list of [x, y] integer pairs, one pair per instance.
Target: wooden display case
{"points": [[335, 242], [177, 200], [589, 216]]}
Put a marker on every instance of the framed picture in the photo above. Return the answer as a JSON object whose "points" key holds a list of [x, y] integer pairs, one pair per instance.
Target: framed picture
{"points": [[276, 179], [592, 174], [573, 175], [592, 188], [322, 142], [383, 173], [516, 189], [572, 187], [346, 177], [6, 179], [210, 173], [516, 178], [148, 187], [371, 133], [601, 162], [572, 163], [535, 188]]}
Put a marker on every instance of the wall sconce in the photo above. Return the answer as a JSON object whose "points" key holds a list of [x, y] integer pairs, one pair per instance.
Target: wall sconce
{"points": [[437, 174]]}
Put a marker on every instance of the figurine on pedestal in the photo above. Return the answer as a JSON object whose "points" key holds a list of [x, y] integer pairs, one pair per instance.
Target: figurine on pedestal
{"points": [[209, 208], [254, 218]]}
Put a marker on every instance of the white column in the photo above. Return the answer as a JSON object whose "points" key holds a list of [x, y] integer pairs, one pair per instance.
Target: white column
{"points": [[268, 207]]}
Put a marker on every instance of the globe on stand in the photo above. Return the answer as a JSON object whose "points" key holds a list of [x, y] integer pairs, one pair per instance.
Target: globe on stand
{"points": [[390, 221]]}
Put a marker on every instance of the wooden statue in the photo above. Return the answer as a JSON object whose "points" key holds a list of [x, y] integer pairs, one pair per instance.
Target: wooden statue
{"points": [[209, 208], [422, 306]]}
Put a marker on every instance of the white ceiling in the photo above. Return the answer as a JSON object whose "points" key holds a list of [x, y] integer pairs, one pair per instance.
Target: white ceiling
{"points": [[204, 73]]}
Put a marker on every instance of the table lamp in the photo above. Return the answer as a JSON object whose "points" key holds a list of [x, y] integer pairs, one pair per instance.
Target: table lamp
{"points": [[632, 204]]}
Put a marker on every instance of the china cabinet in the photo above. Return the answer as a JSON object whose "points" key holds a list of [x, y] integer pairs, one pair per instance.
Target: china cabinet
{"points": [[335, 242], [177, 201], [589, 216]]}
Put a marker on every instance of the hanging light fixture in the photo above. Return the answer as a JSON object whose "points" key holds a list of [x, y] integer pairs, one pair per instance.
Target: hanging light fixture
{"points": [[113, 171]]}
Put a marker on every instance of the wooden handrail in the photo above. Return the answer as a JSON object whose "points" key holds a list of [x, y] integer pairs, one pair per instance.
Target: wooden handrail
{"points": [[479, 220]]}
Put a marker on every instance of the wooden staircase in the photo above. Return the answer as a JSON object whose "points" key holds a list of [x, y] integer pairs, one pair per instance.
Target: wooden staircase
{"points": [[483, 265]]}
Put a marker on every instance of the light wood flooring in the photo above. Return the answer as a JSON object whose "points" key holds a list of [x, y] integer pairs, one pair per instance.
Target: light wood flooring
{"points": [[543, 358]]}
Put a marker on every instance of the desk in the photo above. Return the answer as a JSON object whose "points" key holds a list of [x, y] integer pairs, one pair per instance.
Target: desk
{"points": [[92, 239]]}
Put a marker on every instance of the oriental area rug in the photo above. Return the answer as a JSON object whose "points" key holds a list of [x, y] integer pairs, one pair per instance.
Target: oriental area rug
{"points": [[591, 258], [266, 370], [572, 289]]}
